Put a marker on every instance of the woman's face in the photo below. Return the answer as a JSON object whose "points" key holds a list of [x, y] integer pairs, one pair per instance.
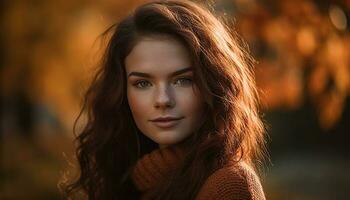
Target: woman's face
{"points": [[164, 100]]}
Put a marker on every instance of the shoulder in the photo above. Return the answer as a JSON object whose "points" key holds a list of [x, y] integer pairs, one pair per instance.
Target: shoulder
{"points": [[234, 182]]}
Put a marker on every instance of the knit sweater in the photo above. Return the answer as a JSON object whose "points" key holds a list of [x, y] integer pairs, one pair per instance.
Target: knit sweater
{"points": [[232, 182]]}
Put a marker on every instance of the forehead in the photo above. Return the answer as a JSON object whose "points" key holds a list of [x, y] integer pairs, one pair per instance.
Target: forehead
{"points": [[157, 54]]}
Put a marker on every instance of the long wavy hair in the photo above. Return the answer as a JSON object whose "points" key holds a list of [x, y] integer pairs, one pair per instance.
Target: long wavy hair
{"points": [[110, 143]]}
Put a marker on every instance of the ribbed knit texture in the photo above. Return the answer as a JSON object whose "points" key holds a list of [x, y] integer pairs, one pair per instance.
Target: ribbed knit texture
{"points": [[232, 182]]}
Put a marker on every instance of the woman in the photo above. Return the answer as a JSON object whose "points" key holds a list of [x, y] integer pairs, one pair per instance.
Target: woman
{"points": [[172, 112]]}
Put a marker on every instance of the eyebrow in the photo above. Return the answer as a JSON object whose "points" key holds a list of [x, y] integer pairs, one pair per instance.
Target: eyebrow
{"points": [[145, 75]]}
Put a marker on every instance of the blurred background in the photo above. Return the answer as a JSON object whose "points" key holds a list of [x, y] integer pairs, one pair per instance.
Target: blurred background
{"points": [[49, 50]]}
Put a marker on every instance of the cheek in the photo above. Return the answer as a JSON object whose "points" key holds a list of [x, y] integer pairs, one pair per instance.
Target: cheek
{"points": [[139, 104], [192, 103]]}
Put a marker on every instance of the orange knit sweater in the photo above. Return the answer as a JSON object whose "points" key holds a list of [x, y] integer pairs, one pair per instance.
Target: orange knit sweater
{"points": [[232, 182]]}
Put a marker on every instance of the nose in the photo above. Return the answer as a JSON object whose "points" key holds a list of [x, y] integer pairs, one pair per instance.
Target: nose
{"points": [[164, 98]]}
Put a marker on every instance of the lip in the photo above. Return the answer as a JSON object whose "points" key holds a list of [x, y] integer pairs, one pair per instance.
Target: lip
{"points": [[166, 119], [166, 122]]}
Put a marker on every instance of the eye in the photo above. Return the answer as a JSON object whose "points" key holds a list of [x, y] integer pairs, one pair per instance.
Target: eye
{"points": [[142, 84], [184, 81]]}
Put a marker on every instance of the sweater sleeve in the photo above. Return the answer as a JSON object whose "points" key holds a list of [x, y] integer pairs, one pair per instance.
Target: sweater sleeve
{"points": [[232, 183]]}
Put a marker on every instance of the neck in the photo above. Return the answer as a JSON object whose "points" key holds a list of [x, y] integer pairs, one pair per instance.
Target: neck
{"points": [[162, 146], [154, 167]]}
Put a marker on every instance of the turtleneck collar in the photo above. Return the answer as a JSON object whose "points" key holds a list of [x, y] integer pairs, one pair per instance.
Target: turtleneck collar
{"points": [[152, 168]]}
